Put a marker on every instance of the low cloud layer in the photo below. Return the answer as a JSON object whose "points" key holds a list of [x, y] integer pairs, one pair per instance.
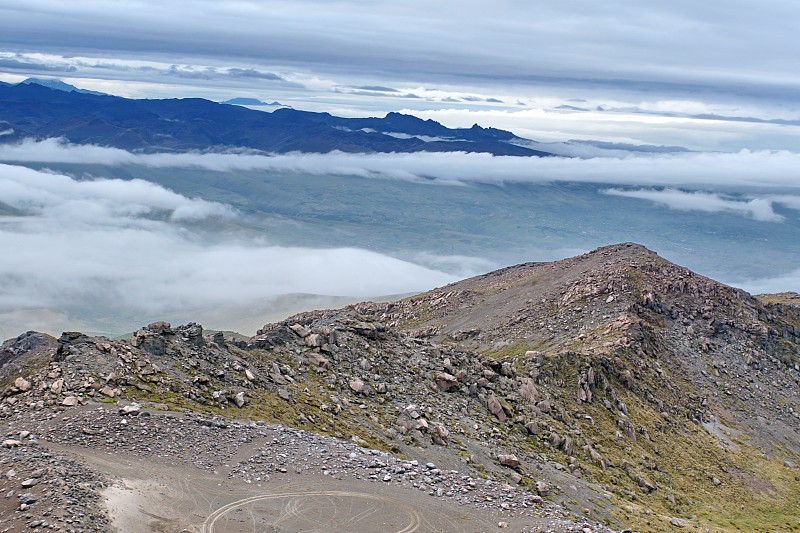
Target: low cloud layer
{"points": [[780, 283], [719, 172], [102, 249], [758, 208]]}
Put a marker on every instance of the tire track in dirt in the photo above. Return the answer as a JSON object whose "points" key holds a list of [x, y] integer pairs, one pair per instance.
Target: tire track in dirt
{"points": [[295, 507]]}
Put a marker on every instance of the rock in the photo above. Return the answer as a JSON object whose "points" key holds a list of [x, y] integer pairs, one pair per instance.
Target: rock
{"points": [[509, 460], [11, 443], [70, 401], [439, 434], [678, 522], [284, 394], [131, 410], [446, 382], [596, 457], [249, 375], [315, 340], [159, 327], [515, 478], [528, 391], [627, 379], [30, 482], [108, 391], [300, 330], [239, 399], [542, 489], [356, 385], [317, 359], [496, 408], [569, 446], [153, 344], [22, 384], [28, 498], [56, 386]]}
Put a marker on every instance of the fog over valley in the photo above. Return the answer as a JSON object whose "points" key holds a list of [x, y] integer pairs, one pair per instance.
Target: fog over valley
{"points": [[106, 239]]}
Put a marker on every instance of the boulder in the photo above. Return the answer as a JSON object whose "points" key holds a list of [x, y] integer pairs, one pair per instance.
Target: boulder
{"points": [[315, 340], [496, 408], [510, 460], [22, 384], [70, 401], [300, 330], [439, 434], [446, 382], [542, 489], [131, 410], [316, 359], [528, 391], [239, 399], [356, 385]]}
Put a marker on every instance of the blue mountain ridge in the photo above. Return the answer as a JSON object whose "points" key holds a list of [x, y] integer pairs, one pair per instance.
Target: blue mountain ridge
{"points": [[36, 111]]}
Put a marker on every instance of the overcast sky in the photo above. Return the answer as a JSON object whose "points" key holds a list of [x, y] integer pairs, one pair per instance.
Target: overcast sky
{"points": [[625, 71]]}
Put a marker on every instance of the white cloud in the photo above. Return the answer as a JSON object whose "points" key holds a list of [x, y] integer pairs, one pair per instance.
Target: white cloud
{"points": [[764, 170], [786, 200], [771, 284], [757, 208], [95, 250], [42, 192]]}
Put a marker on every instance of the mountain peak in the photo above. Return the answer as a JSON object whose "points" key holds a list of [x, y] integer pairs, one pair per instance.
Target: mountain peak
{"points": [[614, 374], [58, 85]]}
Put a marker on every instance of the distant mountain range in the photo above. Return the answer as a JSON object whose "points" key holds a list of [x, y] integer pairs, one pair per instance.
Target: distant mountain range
{"points": [[252, 101], [50, 108], [59, 85]]}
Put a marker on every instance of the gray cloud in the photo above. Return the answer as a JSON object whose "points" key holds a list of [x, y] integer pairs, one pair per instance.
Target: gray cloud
{"points": [[717, 48], [376, 88], [29, 66], [253, 73], [120, 250], [192, 74]]}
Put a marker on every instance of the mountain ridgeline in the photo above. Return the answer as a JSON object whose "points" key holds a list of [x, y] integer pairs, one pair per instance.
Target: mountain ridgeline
{"points": [[32, 110], [623, 387]]}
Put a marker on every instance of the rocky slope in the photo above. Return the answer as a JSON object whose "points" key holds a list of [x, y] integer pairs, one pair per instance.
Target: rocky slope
{"points": [[621, 387]]}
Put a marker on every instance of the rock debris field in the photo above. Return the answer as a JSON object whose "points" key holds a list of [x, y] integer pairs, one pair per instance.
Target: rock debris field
{"points": [[101, 468]]}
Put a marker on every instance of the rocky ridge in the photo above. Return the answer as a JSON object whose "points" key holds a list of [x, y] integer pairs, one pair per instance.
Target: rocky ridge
{"points": [[625, 388]]}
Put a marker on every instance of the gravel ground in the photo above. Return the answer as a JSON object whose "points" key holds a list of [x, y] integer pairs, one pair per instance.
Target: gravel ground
{"points": [[85, 444]]}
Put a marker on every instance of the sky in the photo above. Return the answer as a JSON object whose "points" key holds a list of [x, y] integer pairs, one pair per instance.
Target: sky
{"points": [[721, 79], [708, 76]]}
